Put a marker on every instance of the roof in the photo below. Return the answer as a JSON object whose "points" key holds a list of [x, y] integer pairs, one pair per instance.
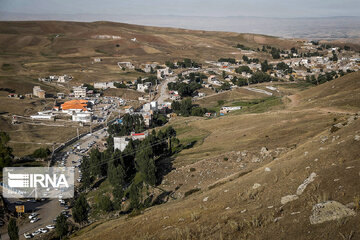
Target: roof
{"points": [[137, 134], [75, 104]]}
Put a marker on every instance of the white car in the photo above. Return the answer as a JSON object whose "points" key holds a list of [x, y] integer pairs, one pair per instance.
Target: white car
{"points": [[33, 215], [50, 226], [37, 232], [43, 230], [28, 235], [35, 219]]}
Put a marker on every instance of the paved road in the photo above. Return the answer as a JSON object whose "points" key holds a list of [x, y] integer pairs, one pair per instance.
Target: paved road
{"points": [[164, 92]]}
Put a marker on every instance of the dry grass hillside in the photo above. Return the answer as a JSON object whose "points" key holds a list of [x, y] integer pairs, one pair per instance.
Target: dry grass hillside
{"points": [[261, 175], [33, 49]]}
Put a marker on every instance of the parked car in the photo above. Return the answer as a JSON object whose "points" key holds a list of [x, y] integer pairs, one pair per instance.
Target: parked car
{"points": [[33, 215], [50, 226], [28, 235], [35, 219], [43, 230], [37, 232]]}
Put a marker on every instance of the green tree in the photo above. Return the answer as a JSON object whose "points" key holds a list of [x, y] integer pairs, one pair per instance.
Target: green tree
{"points": [[81, 209], [145, 163], [6, 156], [61, 226], [13, 230], [41, 153], [104, 203], [116, 175]]}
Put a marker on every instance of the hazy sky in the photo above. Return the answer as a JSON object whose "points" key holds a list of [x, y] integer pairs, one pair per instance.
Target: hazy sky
{"points": [[219, 8]]}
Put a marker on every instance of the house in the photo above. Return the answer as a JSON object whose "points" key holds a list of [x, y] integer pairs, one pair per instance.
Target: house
{"points": [[29, 95], [175, 97], [162, 73], [79, 92], [147, 118], [38, 92], [60, 95], [139, 136], [104, 85], [84, 117], [75, 106], [126, 65], [143, 87], [225, 110], [121, 143], [129, 109], [12, 95], [97, 60]]}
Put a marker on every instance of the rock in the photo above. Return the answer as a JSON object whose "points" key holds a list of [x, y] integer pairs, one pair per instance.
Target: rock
{"points": [[205, 199], [256, 185], [243, 153], [289, 198], [277, 219], [294, 213], [228, 208], [226, 190], [255, 159], [306, 153], [238, 159], [267, 169], [316, 159], [336, 127], [307, 181], [323, 139], [329, 211], [357, 138], [269, 207], [264, 152], [243, 211]]}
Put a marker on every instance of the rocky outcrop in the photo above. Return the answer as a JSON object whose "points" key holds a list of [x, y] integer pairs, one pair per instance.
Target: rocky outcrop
{"points": [[329, 211]]}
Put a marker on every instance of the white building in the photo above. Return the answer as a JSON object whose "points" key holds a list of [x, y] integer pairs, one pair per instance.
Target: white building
{"points": [[104, 85], [85, 117], [79, 92], [161, 73], [142, 87], [121, 143]]}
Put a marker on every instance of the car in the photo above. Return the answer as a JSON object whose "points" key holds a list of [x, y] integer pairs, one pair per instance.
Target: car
{"points": [[35, 219], [43, 230], [50, 226], [33, 215], [37, 232], [28, 235]]}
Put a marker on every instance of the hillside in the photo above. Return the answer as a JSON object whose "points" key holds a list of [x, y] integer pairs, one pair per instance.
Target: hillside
{"points": [[38, 49], [259, 175]]}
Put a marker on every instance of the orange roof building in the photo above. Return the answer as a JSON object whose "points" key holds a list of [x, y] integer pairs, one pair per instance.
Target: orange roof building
{"points": [[76, 105]]}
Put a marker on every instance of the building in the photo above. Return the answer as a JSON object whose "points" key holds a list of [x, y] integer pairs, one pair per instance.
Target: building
{"points": [[60, 95], [104, 85], [143, 87], [129, 109], [79, 92], [139, 136], [126, 65], [121, 143], [75, 106], [84, 117], [38, 92], [225, 110], [162, 73]]}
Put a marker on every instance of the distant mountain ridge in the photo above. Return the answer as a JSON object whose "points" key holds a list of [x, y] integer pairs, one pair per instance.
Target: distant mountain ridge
{"points": [[311, 28]]}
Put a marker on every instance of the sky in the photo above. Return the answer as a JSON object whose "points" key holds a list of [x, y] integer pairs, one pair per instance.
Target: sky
{"points": [[210, 8]]}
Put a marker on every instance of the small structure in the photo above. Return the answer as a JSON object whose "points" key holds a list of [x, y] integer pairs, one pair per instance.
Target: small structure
{"points": [[121, 143], [129, 109], [143, 87], [139, 136], [226, 110], [79, 92], [38, 92], [104, 85], [60, 95], [84, 117]]}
